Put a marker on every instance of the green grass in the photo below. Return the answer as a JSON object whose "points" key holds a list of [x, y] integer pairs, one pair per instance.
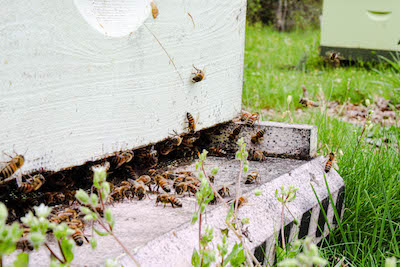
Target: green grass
{"points": [[370, 230], [269, 75]]}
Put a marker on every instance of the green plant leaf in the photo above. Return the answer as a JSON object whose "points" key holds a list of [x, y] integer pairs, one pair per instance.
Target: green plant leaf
{"points": [[93, 243], [22, 260], [101, 233], [195, 258], [239, 258], [67, 247]]}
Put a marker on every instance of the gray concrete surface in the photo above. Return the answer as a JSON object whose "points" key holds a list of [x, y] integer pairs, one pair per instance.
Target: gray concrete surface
{"points": [[280, 139], [164, 237]]}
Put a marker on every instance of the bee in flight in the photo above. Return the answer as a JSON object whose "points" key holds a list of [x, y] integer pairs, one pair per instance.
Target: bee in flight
{"points": [[258, 136], [199, 75], [329, 163], [32, 184], [252, 177]]}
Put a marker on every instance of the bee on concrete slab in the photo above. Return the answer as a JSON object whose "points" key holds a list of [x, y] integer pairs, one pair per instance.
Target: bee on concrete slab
{"points": [[123, 158], [75, 224], [169, 175], [154, 9], [256, 155], [217, 151], [79, 237], [67, 214], [139, 190], [185, 173], [245, 115], [32, 184], [178, 180], [252, 119], [252, 177], [308, 103], [121, 192], [224, 191], [186, 187], [11, 167], [257, 138], [329, 163], [25, 245], [235, 132], [175, 201], [167, 198], [191, 123], [199, 75], [242, 200], [161, 182], [147, 180]]}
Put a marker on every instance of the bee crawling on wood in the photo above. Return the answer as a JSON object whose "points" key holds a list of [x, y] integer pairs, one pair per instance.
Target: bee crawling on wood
{"points": [[199, 75], [11, 167], [257, 138], [32, 184], [154, 9], [253, 177]]}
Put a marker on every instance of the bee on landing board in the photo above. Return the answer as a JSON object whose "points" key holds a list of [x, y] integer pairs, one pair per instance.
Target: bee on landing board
{"points": [[235, 132], [242, 200], [252, 177], [167, 198], [256, 155], [32, 184], [123, 158], [258, 136], [199, 75], [329, 163], [224, 191]]}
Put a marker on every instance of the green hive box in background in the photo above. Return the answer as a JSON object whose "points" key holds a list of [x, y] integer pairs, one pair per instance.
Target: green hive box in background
{"points": [[362, 29]]}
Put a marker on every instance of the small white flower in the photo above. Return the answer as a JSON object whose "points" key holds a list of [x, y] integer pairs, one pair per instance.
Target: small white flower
{"points": [[42, 210]]}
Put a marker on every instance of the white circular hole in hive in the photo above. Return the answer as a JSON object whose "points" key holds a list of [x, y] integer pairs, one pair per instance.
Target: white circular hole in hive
{"points": [[115, 18]]}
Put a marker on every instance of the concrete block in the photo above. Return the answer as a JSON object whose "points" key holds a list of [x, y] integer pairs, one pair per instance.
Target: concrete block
{"points": [[280, 139], [164, 236]]}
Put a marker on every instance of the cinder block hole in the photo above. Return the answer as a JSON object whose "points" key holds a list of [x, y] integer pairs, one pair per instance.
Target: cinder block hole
{"points": [[115, 18]]}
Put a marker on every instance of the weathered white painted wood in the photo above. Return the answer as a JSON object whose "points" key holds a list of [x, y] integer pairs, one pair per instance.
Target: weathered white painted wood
{"points": [[72, 90]]}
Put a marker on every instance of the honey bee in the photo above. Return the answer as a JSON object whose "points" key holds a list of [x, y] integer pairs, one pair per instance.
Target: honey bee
{"points": [[252, 177], [161, 182], [256, 155], [217, 151], [122, 192], [186, 187], [191, 123], [167, 198], [258, 136], [245, 115], [252, 119], [235, 133], [224, 191], [154, 9], [152, 172], [308, 103], [11, 167], [54, 197], [176, 140], [139, 190], [212, 178], [75, 224], [334, 58], [242, 200], [199, 75], [150, 155], [32, 184], [185, 173], [169, 175], [123, 158], [67, 215], [189, 139], [178, 180], [79, 237], [166, 148], [24, 244], [147, 180], [329, 163]]}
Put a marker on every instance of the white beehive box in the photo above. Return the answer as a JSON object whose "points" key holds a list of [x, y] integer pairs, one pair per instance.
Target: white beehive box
{"points": [[361, 29], [80, 80]]}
